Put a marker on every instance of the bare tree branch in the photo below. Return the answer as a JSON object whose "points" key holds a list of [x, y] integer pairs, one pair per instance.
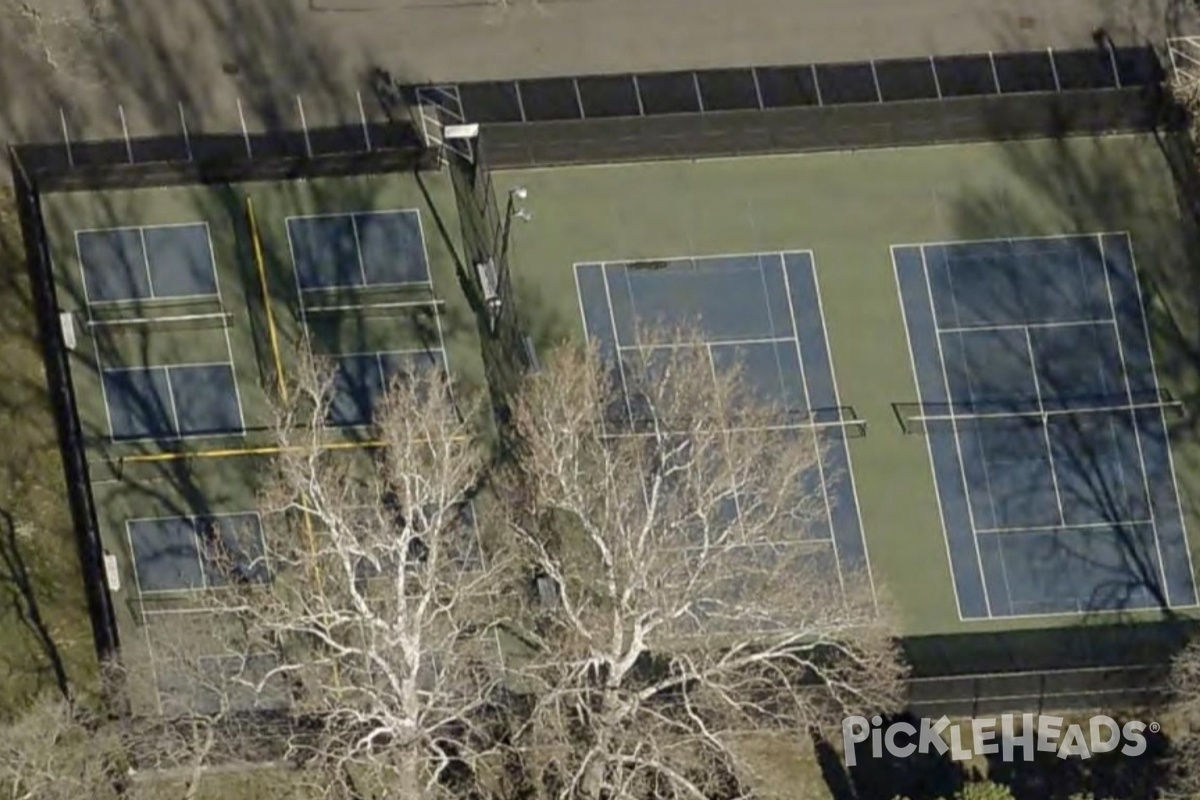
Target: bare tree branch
{"points": [[675, 513], [374, 617]]}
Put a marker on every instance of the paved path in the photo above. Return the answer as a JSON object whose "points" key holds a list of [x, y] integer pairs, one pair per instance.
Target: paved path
{"points": [[210, 54]]}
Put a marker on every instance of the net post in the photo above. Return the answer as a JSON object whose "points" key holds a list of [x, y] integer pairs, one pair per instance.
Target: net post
{"points": [[245, 130], [125, 132], [304, 126], [62, 116], [187, 137], [362, 115]]}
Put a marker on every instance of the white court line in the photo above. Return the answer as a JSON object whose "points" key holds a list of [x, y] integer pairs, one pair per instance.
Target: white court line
{"points": [[116, 323], [717, 342], [150, 368], [1163, 413], [837, 399], [112, 434], [87, 302], [358, 249], [677, 258], [987, 472], [1026, 326], [579, 295], [437, 321], [957, 439], [1137, 435], [366, 212], [1037, 390], [997, 239], [212, 254], [1149, 609], [1054, 412], [145, 628], [424, 248], [237, 391], [612, 320], [287, 224], [366, 353], [429, 303], [787, 285], [171, 398], [912, 360], [1003, 567], [151, 227], [737, 496], [146, 262]]}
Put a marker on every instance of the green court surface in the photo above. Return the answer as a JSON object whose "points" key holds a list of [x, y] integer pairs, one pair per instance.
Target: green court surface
{"points": [[201, 354], [849, 209], [840, 214]]}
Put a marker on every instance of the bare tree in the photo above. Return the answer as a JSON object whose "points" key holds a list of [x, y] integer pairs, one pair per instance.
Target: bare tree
{"points": [[667, 510], [216, 708], [372, 628], [55, 751], [1184, 708]]}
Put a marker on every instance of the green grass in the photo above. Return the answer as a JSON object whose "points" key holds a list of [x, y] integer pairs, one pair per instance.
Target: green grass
{"points": [[45, 618], [849, 208]]}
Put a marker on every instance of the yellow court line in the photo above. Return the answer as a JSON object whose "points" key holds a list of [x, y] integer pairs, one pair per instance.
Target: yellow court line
{"points": [[262, 278], [140, 458], [320, 578], [245, 451]]}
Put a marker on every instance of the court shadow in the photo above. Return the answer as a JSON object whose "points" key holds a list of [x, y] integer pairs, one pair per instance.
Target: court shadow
{"points": [[18, 582], [1147, 187], [1113, 774], [921, 776]]}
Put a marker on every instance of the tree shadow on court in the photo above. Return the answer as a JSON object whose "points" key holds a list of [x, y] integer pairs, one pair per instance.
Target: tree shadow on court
{"points": [[1075, 185], [1145, 185]]}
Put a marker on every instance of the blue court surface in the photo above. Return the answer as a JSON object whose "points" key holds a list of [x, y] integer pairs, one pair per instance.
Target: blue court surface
{"points": [[1046, 427], [172, 402], [172, 554], [761, 311], [361, 379], [158, 262], [358, 250]]}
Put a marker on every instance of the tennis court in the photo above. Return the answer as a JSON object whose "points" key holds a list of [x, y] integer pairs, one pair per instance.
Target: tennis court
{"points": [[1046, 425], [366, 303], [808, 305], [760, 313], [184, 310], [135, 277]]}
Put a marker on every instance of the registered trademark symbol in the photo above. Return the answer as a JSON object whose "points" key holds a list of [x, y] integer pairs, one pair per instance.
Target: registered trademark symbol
{"points": [[1154, 727]]}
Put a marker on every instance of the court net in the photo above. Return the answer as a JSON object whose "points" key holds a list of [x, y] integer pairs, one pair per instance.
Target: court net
{"points": [[623, 420], [172, 322], [918, 418]]}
